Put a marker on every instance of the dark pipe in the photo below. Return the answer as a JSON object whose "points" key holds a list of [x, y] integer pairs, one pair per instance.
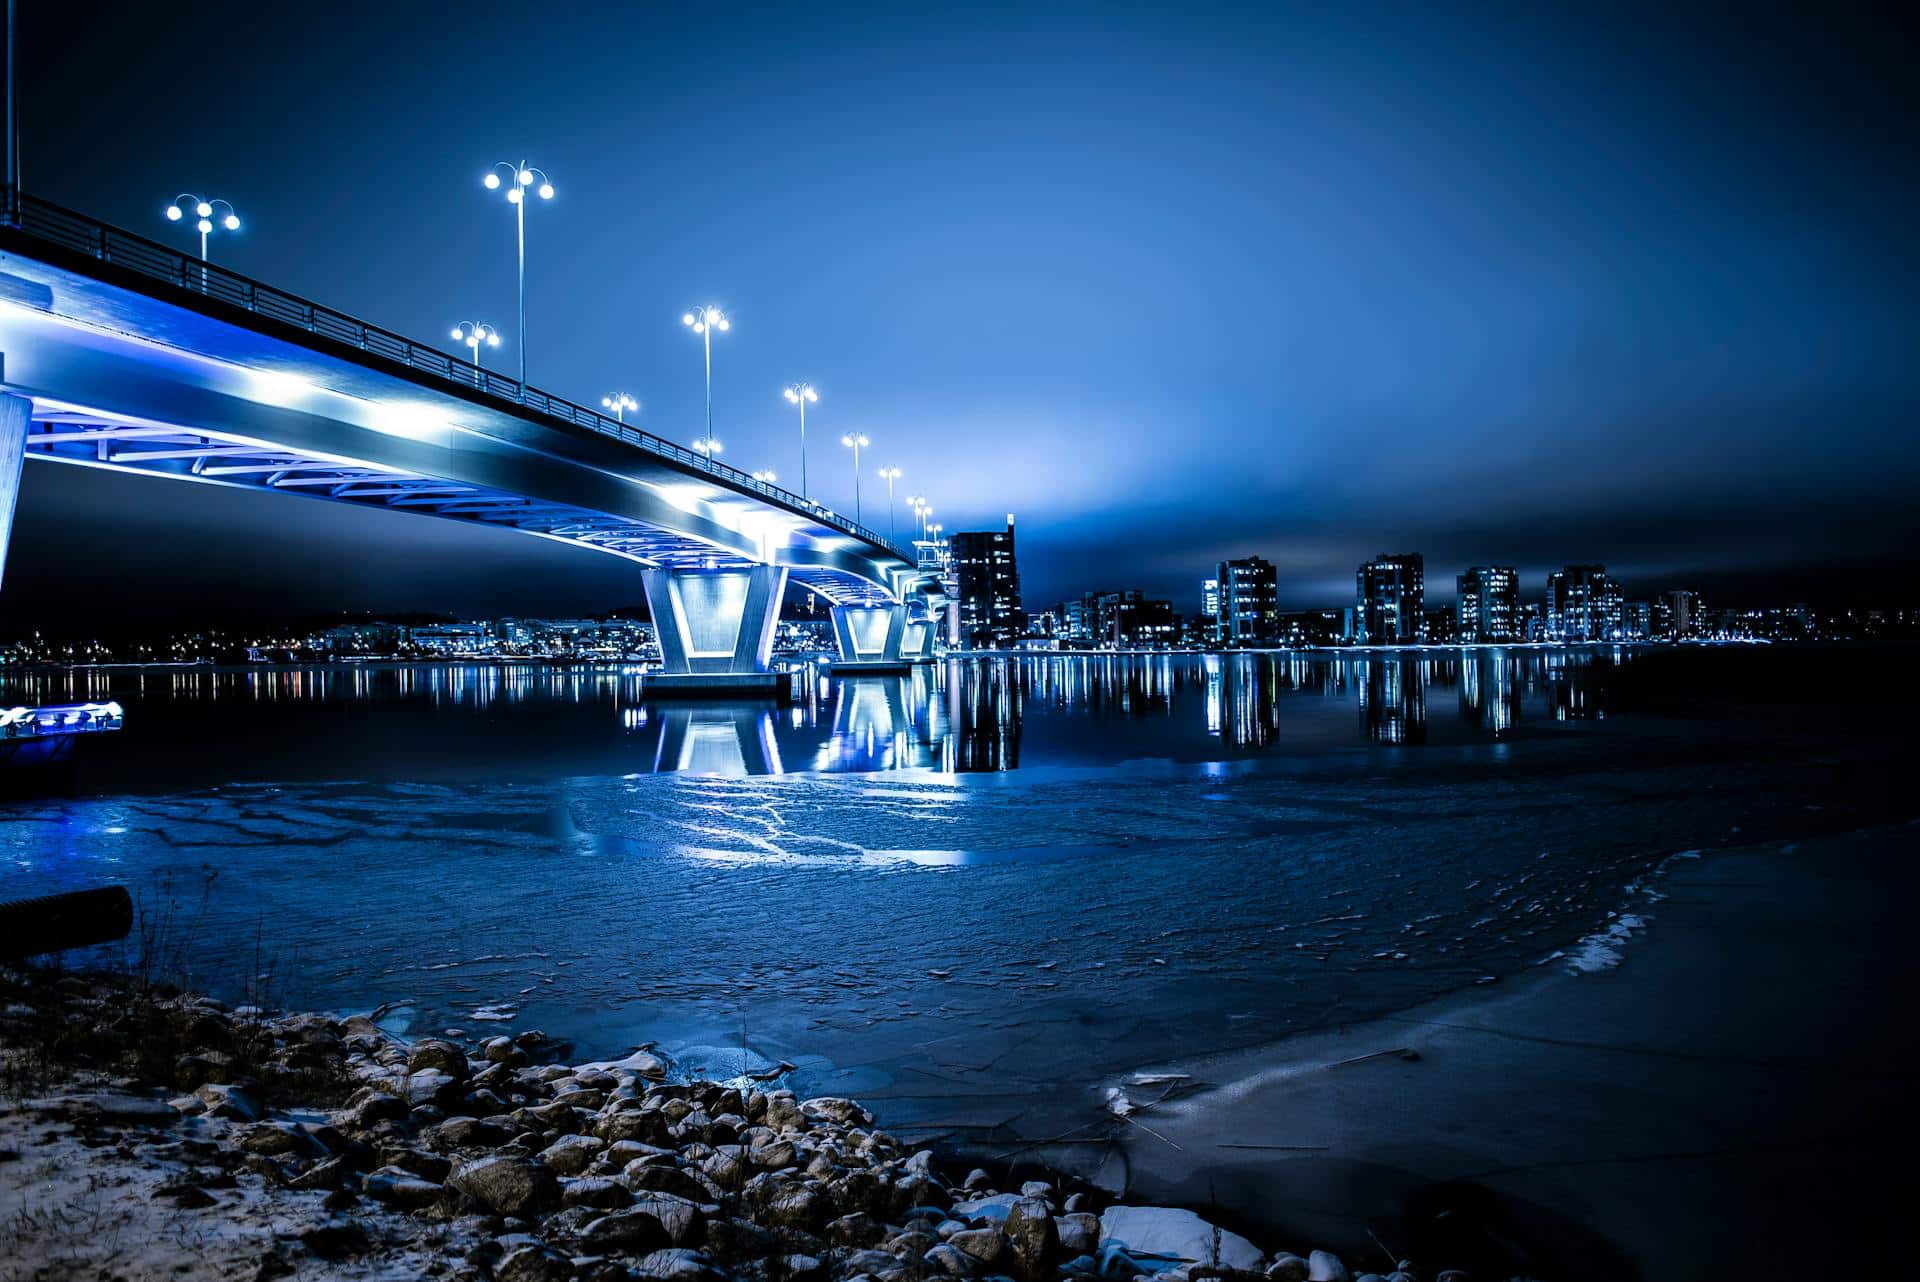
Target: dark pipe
{"points": [[52, 923]]}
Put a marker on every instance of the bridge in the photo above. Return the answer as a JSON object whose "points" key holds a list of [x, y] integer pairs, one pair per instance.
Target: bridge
{"points": [[117, 352]]}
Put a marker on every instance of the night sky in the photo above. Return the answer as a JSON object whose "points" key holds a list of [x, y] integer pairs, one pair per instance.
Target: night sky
{"points": [[1505, 284]]}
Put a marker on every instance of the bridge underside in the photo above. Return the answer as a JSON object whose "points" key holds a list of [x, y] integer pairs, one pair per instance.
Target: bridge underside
{"points": [[71, 434]]}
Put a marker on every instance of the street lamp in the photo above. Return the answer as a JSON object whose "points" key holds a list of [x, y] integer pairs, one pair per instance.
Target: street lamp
{"points": [[620, 403], [522, 177], [889, 475], [708, 446], [800, 394], [703, 321], [856, 441], [203, 214], [475, 338], [766, 477]]}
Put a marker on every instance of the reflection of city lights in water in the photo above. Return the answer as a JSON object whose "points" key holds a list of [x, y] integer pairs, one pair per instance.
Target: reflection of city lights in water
{"points": [[954, 716]]}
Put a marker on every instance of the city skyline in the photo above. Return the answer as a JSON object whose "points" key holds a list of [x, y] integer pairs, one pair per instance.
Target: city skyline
{"points": [[1574, 360]]}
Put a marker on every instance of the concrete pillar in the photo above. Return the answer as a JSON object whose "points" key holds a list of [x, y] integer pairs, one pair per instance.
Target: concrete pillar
{"points": [[715, 629], [869, 634], [15, 411]]}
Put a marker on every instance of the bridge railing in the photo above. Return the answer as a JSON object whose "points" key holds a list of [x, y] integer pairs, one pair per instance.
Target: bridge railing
{"points": [[45, 221]]}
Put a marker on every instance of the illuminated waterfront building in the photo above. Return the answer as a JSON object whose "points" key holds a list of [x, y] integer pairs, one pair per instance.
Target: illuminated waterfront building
{"points": [[987, 587], [1248, 606], [1583, 604], [1488, 606], [1390, 599]]}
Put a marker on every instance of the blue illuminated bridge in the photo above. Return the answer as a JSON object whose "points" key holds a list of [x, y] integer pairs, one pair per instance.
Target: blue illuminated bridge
{"points": [[117, 352]]}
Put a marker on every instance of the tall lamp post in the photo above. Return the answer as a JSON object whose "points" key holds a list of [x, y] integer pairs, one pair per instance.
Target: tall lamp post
{"points": [[765, 477], [889, 475], [856, 441], [620, 403], [204, 216], [708, 446], [703, 321], [800, 394], [476, 338], [521, 179]]}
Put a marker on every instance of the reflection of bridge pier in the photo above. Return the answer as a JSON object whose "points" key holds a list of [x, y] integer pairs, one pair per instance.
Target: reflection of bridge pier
{"points": [[732, 739]]}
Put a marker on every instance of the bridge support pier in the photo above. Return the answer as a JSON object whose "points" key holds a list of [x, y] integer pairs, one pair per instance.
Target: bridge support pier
{"points": [[879, 638], [15, 411], [715, 629]]}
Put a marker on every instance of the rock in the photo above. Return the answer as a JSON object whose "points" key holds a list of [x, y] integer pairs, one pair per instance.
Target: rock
{"points": [[238, 1102], [438, 1056], [634, 1231], [678, 1216], [572, 1154], [505, 1185], [642, 1063], [675, 1264], [1287, 1267], [646, 1176], [274, 1139], [533, 1262], [858, 1229], [1325, 1266], [800, 1268], [728, 1166], [833, 1108], [471, 1132], [593, 1191], [404, 1189], [984, 1245], [994, 1207], [1078, 1202], [376, 1108], [1450, 1275], [335, 1239], [777, 1156], [1079, 1232], [949, 1261], [1031, 1234], [629, 1125], [1037, 1188], [1176, 1234], [795, 1206], [501, 1050], [976, 1179]]}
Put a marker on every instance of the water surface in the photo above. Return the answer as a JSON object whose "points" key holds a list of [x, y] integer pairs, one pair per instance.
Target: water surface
{"points": [[954, 892]]}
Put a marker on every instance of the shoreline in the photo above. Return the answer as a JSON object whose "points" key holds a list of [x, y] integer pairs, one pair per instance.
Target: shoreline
{"points": [[149, 1132], [1714, 1104]]}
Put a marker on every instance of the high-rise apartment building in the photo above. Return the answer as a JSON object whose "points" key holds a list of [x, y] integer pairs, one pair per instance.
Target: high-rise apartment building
{"points": [[1583, 604], [1488, 608], [1249, 605], [1390, 599], [987, 588]]}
